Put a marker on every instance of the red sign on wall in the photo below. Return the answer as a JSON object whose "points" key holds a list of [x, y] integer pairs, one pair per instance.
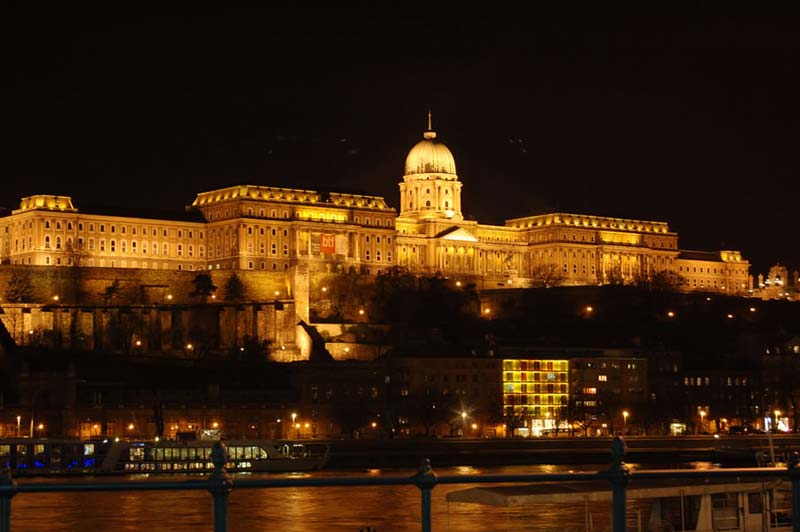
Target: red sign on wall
{"points": [[327, 244]]}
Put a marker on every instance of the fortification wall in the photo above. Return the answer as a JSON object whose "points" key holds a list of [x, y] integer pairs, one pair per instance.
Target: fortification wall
{"points": [[187, 331], [87, 285]]}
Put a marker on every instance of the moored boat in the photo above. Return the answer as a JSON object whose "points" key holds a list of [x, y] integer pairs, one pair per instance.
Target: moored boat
{"points": [[45, 456], [264, 456], [700, 504]]}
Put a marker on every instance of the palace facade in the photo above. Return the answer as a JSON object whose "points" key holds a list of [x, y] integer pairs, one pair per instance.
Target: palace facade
{"points": [[265, 228]]}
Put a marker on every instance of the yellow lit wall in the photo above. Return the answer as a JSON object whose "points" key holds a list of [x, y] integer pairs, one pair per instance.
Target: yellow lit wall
{"points": [[536, 388]]}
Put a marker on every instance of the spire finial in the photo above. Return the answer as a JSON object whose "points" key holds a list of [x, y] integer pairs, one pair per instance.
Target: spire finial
{"points": [[430, 133]]}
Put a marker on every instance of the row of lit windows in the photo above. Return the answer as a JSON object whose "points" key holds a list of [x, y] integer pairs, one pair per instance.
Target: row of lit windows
{"points": [[123, 229], [516, 399], [706, 381], [516, 387], [523, 376], [262, 265], [726, 271], [58, 261], [535, 365]]}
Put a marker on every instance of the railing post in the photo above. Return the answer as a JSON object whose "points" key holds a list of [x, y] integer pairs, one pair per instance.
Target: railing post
{"points": [[221, 485], [8, 488], [794, 477], [619, 474], [425, 479]]}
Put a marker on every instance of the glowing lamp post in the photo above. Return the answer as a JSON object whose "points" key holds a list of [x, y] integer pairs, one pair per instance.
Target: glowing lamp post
{"points": [[702, 419], [625, 415]]}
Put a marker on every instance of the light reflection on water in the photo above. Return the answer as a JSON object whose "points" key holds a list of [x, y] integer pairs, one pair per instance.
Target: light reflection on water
{"points": [[384, 508]]}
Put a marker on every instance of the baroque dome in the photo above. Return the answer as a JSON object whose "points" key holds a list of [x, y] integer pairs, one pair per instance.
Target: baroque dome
{"points": [[430, 156]]}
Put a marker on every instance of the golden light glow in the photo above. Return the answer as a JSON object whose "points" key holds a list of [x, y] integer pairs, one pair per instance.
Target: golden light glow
{"points": [[474, 426], [324, 288], [730, 316], [169, 297], [277, 293], [487, 310], [189, 347], [374, 424], [55, 298], [214, 425], [307, 425], [40, 426], [670, 314], [589, 309], [752, 309], [361, 312], [535, 387], [131, 426], [458, 283], [138, 343], [620, 238]]}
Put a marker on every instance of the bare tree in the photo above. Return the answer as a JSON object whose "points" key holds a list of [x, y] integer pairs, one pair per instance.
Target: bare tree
{"points": [[546, 276]]}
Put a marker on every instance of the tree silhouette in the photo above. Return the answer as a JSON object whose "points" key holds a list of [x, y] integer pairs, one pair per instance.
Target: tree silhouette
{"points": [[203, 287], [19, 289], [234, 289], [546, 276], [113, 290], [75, 255]]}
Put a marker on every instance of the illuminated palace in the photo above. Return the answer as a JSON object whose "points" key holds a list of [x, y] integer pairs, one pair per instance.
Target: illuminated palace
{"points": [[276, 229]]}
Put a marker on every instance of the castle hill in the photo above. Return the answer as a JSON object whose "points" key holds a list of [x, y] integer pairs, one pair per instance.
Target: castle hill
{"points": [[266, 312]]}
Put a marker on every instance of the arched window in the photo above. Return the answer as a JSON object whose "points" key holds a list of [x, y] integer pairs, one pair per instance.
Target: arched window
{"points": [[428, 203]]}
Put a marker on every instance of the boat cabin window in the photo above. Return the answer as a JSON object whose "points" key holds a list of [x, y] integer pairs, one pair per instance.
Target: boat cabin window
{"points": [[755, 503], [671, 512], [5, 456], [136, 454], [88, 449], [780, 507], [725, 511], [22, 454]]}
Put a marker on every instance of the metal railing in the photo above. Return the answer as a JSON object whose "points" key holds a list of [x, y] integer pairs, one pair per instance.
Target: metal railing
{"points": [[219, 484]]}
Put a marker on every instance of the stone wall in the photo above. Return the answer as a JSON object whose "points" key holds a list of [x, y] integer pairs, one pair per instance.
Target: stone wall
{"points": [[138, 286], [172, 330]]}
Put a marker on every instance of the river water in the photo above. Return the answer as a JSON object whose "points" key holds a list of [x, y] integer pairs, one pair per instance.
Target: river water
{"points": [[351, 509]]}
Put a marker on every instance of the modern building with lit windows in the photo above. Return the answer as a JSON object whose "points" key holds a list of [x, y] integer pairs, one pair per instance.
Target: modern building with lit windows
{"points": [[535, 394], [262, 228]]}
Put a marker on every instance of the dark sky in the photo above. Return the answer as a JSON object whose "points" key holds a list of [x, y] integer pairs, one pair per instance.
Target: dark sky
{"points": [[689, 120]]}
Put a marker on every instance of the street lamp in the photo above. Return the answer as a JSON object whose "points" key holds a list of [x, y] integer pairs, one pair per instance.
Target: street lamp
{"points": [[625, 415], [294, 418], [19, 419], [463, 423], [702, 419]]}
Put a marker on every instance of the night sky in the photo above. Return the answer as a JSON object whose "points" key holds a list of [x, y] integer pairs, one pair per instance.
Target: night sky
{"points": [[689, 120]]}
